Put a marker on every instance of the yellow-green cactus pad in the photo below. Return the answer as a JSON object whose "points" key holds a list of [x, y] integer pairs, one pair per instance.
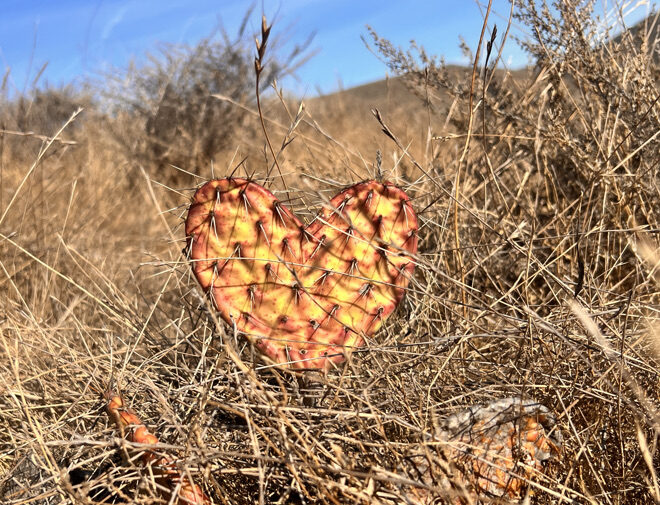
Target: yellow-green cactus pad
{"points": [[305, 295]]}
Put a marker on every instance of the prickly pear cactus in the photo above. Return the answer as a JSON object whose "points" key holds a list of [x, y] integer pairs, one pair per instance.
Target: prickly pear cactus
{"points": [[305, 295], [495, 451]]}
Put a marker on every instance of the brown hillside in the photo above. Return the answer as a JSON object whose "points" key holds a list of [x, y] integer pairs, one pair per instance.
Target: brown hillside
{"points": [[414, 113]]}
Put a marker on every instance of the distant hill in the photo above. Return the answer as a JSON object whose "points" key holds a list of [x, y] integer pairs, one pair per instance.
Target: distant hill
{"points": [[647, 30], [385, 94], [344, 113], [392, 95], [393, 91]]}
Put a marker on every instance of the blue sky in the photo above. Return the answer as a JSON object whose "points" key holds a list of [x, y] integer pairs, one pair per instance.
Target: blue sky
{"points": [[79, 38]]}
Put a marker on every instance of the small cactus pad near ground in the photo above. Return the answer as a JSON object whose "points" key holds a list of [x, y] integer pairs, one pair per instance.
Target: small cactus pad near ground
{"points": [[304, 294], [495, 451], [177, 487]]}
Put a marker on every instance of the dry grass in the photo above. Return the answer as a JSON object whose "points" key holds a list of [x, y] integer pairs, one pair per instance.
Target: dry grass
{"points": [[538, 276]]}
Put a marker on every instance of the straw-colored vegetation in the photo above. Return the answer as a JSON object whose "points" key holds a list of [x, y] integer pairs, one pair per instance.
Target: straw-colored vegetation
{"points": [[537, 275]]}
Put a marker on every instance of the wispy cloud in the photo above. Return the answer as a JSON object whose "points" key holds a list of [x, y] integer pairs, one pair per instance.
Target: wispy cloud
{"points": [[112, 22]]}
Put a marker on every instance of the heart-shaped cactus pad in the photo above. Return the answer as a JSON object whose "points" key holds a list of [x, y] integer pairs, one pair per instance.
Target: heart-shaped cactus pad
{"points": [[305, 295]]}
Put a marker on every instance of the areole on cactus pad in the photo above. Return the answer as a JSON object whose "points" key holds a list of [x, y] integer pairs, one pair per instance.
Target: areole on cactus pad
{"points": [[304, 294]]}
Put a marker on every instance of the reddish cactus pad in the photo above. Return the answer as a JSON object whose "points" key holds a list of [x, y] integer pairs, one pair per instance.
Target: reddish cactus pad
{"points": [[496, 450], [304, 295]]}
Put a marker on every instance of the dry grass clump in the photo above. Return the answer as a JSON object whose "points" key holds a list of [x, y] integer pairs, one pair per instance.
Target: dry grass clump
{"points": [[537, 277]]}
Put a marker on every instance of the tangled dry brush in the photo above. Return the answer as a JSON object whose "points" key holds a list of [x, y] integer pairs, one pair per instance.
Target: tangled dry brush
{"points": [[537, 277]]}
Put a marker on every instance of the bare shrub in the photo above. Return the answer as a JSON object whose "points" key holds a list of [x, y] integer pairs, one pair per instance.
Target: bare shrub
{"points": [[26, 119], [164, 110]]}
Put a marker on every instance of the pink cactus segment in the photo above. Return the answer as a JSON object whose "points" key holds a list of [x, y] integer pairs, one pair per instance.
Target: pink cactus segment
{"points": [[496, 449], [305, 295], [163, 467]]}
